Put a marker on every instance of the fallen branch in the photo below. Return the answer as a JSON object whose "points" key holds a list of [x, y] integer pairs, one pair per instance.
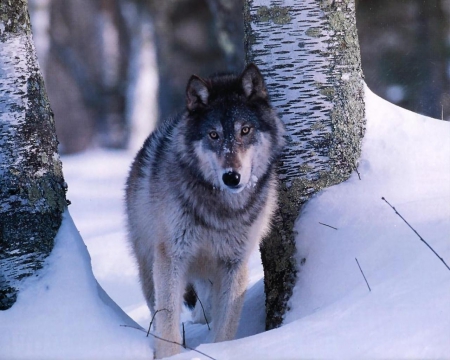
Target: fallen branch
{"points": [[169, 341], [359, 176], [328, 225], [203, 309], [153, 318], [364, 276], [420, 237]]}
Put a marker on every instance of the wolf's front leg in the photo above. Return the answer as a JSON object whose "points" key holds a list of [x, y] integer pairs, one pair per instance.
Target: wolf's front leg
{"points": [[228, 299], [169, 288]]}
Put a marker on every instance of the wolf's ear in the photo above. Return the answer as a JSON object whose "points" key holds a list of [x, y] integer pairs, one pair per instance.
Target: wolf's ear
{"points": [[197, 93], [253, 83]]}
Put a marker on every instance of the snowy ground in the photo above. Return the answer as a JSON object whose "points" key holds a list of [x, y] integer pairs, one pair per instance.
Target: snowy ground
{"points": [[96, 182], [406, 159]]}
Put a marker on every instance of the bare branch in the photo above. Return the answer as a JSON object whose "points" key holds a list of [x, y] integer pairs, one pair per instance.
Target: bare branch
{"points": [[203, 309], [153, 318], [420, 237], [363, 274], [169, 341], [328, 225], [359, 176]]}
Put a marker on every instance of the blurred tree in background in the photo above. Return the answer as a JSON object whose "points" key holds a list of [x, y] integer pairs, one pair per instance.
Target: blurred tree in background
{"points": [[405, 50], [89, 54], [92, 48], [105, 58], [194, 36], [84, 48]]}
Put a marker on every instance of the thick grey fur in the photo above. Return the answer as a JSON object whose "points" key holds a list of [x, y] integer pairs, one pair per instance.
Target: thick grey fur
{"points": [[186, 226]]}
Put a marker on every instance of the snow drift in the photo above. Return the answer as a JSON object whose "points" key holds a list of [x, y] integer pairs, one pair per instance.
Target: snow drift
{"points": [[64, 313]]}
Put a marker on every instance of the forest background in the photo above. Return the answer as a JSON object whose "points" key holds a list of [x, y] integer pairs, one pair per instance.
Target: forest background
{"points": [[123, 64], [115, 68]]}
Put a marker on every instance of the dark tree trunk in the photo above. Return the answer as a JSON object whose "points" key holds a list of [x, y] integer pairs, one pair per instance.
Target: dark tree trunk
{"points": [[309, 53], [32, 188], [88, 55], [229, 24], [193, 37]]}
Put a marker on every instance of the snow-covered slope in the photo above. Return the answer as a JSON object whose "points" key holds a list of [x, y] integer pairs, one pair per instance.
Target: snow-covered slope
{"points": [[65, 314], [406, 159]]}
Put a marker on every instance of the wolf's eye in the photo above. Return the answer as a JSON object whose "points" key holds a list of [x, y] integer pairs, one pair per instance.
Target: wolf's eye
{"points": [[214, 135], [245, 130]]}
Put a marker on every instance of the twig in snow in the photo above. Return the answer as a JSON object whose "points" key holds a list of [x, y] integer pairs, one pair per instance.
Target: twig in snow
{"points": [[203, 309], [420, 237], [363, 274], [359, 176], [169, 341], [184, 336], [153, 318], [328, 225]]}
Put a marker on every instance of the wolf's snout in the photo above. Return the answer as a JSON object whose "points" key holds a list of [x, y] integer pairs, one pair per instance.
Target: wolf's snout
{"points": [[231, 179]]}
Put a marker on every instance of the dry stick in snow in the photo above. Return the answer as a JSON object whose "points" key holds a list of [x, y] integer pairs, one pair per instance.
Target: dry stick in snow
{"points": [[420, 237], [364, 276], [153, 318], [203, 309], [169, 341], [359, 176], [328, 225]]}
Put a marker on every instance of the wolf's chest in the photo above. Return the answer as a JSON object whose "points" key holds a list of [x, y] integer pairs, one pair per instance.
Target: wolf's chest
{"points": [[210, 237], [216, 214]]}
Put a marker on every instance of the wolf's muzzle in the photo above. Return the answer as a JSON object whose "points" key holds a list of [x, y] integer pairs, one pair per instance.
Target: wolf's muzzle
{"points": [[231, 179]]}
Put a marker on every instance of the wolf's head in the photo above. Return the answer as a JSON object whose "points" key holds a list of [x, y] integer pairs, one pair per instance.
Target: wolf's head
{"points": [[232, 133]]}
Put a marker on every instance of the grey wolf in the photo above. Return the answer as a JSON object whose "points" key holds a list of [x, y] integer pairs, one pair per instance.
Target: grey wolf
{"points": [[200, 196]]}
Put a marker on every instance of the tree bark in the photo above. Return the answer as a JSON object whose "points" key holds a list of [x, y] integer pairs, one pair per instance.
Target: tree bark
{"points": [[32, 188], [309, 54]]}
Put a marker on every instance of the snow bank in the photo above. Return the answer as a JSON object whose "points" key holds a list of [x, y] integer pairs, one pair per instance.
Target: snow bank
{"points": [[96, 189], [65, 314], [406, 159]]}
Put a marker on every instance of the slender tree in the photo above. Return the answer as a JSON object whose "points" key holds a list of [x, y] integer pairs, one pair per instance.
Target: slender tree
{"points": [[309, 53], [32, 188], [194, 37], [229, 31], [89, 47]]}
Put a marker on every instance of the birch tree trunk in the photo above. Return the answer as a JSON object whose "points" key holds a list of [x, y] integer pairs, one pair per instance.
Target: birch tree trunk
{"points": [[32, 188], [309, 53]]}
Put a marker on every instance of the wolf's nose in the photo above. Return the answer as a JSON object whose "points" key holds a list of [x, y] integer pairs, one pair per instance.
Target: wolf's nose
{"points": [[231, 178]]}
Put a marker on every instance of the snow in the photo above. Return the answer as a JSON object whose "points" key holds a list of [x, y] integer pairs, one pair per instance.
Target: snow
{"points": [[64, 313]]}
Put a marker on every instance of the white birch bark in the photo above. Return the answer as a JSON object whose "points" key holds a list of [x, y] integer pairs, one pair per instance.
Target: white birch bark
{"points": [[308, 51], [32, 189]]}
